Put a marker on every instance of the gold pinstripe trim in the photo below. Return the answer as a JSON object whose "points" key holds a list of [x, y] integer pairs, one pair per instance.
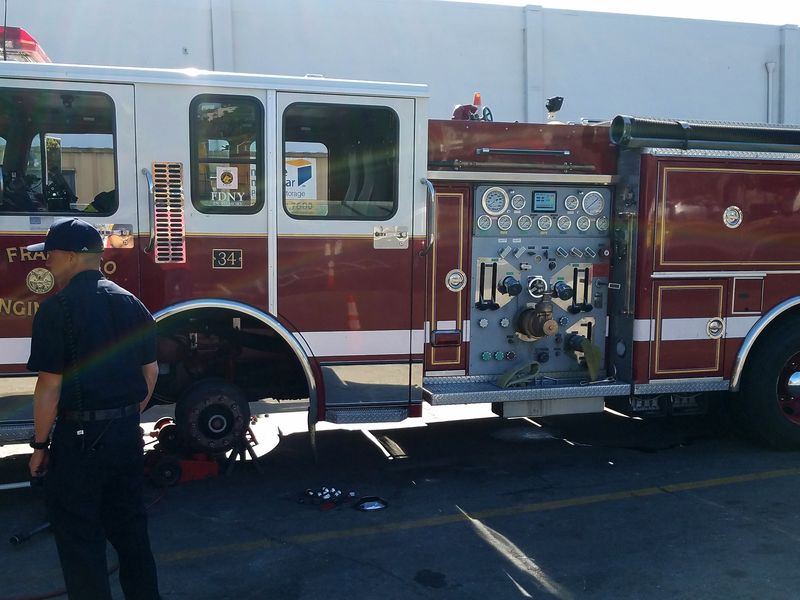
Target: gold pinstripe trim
{"points": [[718, 341], [663, 214], [434, 276]]}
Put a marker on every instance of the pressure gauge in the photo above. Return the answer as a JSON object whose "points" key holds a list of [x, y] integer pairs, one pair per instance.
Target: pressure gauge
{"points": [[545, 222], [583, 223], [564, 222], [571, 202], [495, 201], [484, 222], [505, 222], [601, 223], [518, 202], [525, 222], [593, 203]]}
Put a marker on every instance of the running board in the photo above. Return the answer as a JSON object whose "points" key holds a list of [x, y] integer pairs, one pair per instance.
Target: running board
{"points": [[16, 432], [478, 390]]}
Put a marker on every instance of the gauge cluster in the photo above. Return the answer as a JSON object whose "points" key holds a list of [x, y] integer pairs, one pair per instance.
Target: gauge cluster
{"points": [[539, 277], [525, 210]]}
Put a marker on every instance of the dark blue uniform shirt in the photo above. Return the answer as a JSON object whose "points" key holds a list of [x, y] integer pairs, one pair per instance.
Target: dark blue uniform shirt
{"points": [[113, 334]]}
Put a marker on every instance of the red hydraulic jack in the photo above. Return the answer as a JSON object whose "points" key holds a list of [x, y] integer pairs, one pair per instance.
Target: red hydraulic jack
{"points": [[168, 463]]}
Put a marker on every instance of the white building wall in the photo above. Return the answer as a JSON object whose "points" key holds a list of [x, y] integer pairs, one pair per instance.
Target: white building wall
{"points": [[603, 64]]}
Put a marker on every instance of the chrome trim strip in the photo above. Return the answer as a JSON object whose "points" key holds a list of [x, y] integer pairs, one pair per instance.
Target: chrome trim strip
{"points": [[750, 339], [678, 386], [521, 177], [268, 320], [740, 154], [434, 374]]}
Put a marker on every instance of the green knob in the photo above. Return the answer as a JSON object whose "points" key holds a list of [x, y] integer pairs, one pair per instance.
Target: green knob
{"points": [[486, 356], [499, 355]]}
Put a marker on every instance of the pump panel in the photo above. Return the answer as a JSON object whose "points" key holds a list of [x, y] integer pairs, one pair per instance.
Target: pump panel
{"points": [[540, 270]]}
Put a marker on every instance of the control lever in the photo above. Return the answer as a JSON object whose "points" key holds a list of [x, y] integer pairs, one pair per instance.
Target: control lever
{"points": [[573, 308], [483, 303], [586, 306]]}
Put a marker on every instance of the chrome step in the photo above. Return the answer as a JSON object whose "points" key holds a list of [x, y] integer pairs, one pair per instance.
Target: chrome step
{"points": [[481, 389], [16, 432]]}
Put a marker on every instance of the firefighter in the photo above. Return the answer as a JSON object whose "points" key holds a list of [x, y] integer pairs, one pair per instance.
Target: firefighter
{"points": [[93, 346]]}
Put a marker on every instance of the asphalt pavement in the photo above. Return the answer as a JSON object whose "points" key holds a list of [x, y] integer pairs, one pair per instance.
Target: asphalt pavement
{"points": [[594, 506]]}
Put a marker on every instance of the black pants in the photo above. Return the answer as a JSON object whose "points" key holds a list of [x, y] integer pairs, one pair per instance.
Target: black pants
{"points": [[94, 495]]}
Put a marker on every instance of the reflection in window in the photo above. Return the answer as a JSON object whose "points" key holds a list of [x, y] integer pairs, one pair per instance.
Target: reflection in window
{"points": [[58, 152], [226, 156], [340, 161]]}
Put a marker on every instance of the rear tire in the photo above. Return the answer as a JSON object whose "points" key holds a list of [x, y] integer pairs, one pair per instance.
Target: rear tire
{"points": [[769, 407]]}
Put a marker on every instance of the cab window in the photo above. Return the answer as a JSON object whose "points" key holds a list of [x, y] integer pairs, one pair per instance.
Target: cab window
{"points": [[340, 161], [227, 154], [58, 152]]}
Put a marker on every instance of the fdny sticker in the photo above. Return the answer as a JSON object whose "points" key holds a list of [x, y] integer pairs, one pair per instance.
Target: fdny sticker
{"points": [[40, 281], [227, 178], [226, 258]]}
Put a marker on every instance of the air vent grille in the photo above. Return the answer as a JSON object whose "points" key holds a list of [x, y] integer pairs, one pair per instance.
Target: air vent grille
{"points": [[170, 239]]}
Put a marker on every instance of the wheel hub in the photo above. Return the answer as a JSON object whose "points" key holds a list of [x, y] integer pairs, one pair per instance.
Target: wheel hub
{"points": [[217, 424], [789, 389], [216, 420]]}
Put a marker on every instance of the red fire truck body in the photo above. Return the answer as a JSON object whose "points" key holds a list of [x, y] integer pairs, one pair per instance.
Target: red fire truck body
{"points": [[321, 239]]}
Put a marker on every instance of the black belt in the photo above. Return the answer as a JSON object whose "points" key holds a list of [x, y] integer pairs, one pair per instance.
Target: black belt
{"points": [[105, 414]]}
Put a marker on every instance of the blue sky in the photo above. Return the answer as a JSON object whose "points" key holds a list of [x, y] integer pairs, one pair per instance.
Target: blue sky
{"points": [[771, 12]]}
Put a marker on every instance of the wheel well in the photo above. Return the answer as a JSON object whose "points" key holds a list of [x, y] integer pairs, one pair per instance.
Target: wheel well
{"points": [[776, 324], [222, 342]]}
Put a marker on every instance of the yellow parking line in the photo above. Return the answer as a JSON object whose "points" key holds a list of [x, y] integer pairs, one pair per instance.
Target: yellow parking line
{"points": [[337, 534]]}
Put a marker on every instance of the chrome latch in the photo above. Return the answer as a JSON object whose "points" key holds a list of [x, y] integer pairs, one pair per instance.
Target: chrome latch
{"points": [[393, 237]]}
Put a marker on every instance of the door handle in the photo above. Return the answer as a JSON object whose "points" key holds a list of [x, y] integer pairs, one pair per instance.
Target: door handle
{"points": [[151, 201], [431, 207]]}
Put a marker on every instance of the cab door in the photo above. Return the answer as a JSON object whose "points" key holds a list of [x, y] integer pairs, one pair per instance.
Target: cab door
{"points": [[344, 251], [68, 150]]}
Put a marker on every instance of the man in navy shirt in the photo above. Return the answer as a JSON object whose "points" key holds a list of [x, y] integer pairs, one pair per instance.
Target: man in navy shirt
{"points": [[93, 345]]}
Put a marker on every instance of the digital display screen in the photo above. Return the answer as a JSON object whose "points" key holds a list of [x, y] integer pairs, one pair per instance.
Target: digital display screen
{"points": [[544, 202]]}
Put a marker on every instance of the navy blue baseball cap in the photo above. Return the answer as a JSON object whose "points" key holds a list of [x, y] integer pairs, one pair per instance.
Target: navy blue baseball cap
{"points": [[70, 235]]}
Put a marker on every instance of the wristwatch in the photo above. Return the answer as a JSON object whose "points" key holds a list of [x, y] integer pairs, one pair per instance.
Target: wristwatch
{"points": [[40, 445]]}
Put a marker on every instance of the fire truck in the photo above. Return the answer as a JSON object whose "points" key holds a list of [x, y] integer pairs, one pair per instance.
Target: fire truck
{"points": [[303, 237]]}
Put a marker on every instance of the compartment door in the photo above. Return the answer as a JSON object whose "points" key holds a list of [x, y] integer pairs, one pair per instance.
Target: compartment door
{"points": [[688, 328], [448, 275]]}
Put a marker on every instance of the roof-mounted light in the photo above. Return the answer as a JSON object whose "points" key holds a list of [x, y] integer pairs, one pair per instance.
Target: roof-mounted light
{"points": [[21, 45]]}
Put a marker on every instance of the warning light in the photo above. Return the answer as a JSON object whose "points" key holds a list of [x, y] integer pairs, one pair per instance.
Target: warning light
{"points": [[21, 46]]}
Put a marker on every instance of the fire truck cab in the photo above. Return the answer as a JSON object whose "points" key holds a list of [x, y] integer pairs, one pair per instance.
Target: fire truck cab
{"points": [[301, 237]]}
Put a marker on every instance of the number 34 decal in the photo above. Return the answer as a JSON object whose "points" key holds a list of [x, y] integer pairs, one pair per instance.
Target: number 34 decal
{"points": [[226, 259]]}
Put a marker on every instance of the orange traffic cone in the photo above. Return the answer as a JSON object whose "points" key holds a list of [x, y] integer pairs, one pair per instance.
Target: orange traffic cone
{"points": [[352, 314], [331, 281]]}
